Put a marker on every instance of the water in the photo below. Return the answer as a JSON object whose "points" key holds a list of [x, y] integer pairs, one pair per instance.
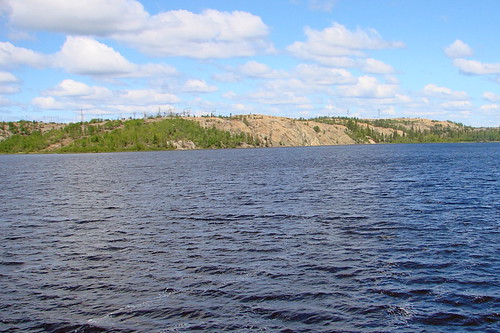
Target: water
{"points": [[377, 238]]}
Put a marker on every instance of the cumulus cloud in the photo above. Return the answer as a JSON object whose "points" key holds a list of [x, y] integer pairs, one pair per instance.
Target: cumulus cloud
{"points": [[259, 70], [491, 108], [374, 66], [338, 41], [271, 97], [337, 46], [5, 102], [433, 90], [9, 83], [210, 34], [492, 97], [458, 49], [473, 67], [13, 56], [48, 103], [230, 95], [72, 88], [86, 56], [9, 89], [89, 17], [6, 77], [227, 77], [198, 86], [369, 87], [456, 105], [323, 76], [147, 96], [73, 95], [240, 107], [290, 91]]}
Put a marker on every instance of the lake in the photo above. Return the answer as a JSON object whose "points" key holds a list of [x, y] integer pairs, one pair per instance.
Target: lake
{"points": [[368, 238]]}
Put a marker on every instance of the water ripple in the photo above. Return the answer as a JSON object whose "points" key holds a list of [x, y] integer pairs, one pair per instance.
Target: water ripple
{"points": [[327, 239]]}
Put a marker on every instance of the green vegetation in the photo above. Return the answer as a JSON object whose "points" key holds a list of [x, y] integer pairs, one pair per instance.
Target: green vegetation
{"points": [[174, 132], [117, 135], [408, 131]]}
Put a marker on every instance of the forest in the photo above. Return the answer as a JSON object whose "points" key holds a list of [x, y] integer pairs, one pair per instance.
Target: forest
{"points": [[177, 132], [118, 135], [407, 131]]}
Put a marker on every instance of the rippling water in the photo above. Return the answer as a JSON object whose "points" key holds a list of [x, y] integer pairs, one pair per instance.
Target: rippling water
{"points": [[352, 239]]}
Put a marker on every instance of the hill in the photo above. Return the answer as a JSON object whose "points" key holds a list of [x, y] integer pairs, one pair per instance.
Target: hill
{"points": [[167, 133]]}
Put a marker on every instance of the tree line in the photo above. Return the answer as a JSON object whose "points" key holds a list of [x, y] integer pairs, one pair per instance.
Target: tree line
{"points": [[128, 135], [405, 131]]}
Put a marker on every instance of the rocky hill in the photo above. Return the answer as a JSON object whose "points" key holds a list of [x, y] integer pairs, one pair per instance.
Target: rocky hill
{"points": [[278, 131], [163, 133]]}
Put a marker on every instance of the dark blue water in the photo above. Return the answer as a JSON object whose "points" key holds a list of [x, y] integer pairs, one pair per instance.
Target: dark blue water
{"points": [[377, 238]]}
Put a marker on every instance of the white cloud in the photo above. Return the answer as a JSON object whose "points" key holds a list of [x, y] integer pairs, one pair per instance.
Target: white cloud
{"points": [[458, 49], [77, 96], [242, 108], [211, 34], [152, 69], [390, 111], [275, 97], [84, 55], [456, 105], [5, 101], [286, 85], [491, 108], [198, 86], [12, 56], [338, 41], [474, 67], [48, 103], [346, 62], [9, 89], [147, 96], [227, 77], [89, 17], [230, 95], [320, 75], [369, 87], [492, 97], [375, 66], [6, 77], [337, 46], [71, 88], [9, 83], [259, 70], [433, 90]]}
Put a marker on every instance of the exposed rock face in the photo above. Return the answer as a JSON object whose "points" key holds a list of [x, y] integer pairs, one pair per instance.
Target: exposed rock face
{"points": [[281, 132], [269, 131], [182, 144]]}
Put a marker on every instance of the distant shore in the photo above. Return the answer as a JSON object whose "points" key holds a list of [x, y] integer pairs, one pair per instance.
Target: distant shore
{"points": [[243, 131]]}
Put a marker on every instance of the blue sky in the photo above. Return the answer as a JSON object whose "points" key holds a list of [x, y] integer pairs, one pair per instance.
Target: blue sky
{"points": [[296, 58]]}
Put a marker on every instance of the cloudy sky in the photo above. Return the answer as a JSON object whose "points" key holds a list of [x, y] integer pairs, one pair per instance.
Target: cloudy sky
{"points": [[294, 58]]}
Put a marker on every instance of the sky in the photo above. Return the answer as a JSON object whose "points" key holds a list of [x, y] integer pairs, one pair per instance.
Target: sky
{"points": [[65, 61]]}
